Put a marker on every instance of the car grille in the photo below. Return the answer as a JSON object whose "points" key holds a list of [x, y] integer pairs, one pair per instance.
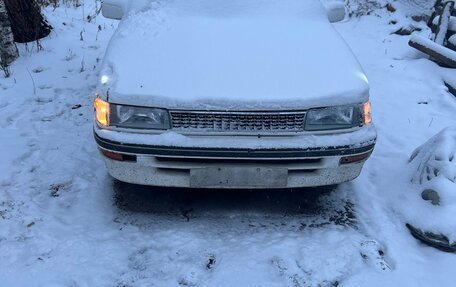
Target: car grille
{"points": [[238, 122]]}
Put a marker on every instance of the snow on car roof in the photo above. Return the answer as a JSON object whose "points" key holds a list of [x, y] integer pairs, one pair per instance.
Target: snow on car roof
{"points": [[231, 54]]}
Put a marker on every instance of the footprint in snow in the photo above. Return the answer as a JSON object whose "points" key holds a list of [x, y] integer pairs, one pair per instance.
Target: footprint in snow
{"points": [[373, 254], [157, 265], [297, 276], [38, 70], [56, 189], [45, 87]]}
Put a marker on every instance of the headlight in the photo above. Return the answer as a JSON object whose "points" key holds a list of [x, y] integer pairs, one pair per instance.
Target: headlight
{"points": [[139, 117], [332, 118], [367, 116], [101, 111]]}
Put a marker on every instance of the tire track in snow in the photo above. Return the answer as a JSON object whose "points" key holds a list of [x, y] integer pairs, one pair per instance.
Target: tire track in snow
{"points": [[264, 232]]}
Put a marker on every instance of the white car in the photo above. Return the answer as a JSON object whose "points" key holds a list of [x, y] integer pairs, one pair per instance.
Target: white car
{"points": [[231, 94]]}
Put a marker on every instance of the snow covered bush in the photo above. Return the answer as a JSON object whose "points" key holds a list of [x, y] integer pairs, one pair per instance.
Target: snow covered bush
{"points": [[409, 7], [74, 3], [363, 7], [419, 4], [433, 175]]}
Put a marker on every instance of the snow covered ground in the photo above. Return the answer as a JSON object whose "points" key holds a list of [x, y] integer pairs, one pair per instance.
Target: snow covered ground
{"points": [[64, 222]]}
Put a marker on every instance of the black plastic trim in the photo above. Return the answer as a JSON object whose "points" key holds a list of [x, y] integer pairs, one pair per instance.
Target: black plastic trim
{"points": [[229, 152]]}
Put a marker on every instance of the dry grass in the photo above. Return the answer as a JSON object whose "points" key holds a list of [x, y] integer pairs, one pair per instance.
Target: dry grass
{"points": [[57, 3]]}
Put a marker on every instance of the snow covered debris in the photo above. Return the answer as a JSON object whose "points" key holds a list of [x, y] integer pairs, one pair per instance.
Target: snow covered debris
{"points": [[435, 166], [433, 178], [444, 22], [451, 23]]}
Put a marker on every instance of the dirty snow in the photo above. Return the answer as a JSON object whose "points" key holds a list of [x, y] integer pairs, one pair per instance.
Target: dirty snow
{"points": [[64, 222]]}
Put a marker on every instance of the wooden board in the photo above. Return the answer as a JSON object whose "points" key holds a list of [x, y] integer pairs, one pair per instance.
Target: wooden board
{"points": [[437, 52]]}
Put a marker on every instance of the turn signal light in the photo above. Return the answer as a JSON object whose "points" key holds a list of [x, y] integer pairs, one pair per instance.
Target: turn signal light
{"points": [[117, 156], [101, 111], [354, 158], [367, 113]]}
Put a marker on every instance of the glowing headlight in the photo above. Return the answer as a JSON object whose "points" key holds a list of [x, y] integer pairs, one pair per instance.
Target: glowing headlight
{"points": [[332, 118], [367, 116], [101, 111], [139, 117]]}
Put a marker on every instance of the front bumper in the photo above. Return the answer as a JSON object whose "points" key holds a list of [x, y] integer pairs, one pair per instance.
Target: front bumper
{"points": [[236, 162]]}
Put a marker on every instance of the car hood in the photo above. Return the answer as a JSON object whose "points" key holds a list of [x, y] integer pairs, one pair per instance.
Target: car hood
{"points": [[223, 56]]}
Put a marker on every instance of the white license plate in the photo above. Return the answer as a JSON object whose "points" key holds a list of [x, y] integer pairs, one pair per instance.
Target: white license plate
{"points": [[239, 177]]}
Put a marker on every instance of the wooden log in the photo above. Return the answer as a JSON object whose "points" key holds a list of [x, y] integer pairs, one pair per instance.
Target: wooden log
{"points": [[437, 52], [451, 85]]}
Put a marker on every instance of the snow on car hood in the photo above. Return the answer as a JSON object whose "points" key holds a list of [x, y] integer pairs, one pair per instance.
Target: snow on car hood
{"points": [[244, 54]]}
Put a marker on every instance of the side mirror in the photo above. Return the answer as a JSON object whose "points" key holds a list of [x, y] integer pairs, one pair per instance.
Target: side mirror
{"points": [[336, 11], [113, 9]]}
